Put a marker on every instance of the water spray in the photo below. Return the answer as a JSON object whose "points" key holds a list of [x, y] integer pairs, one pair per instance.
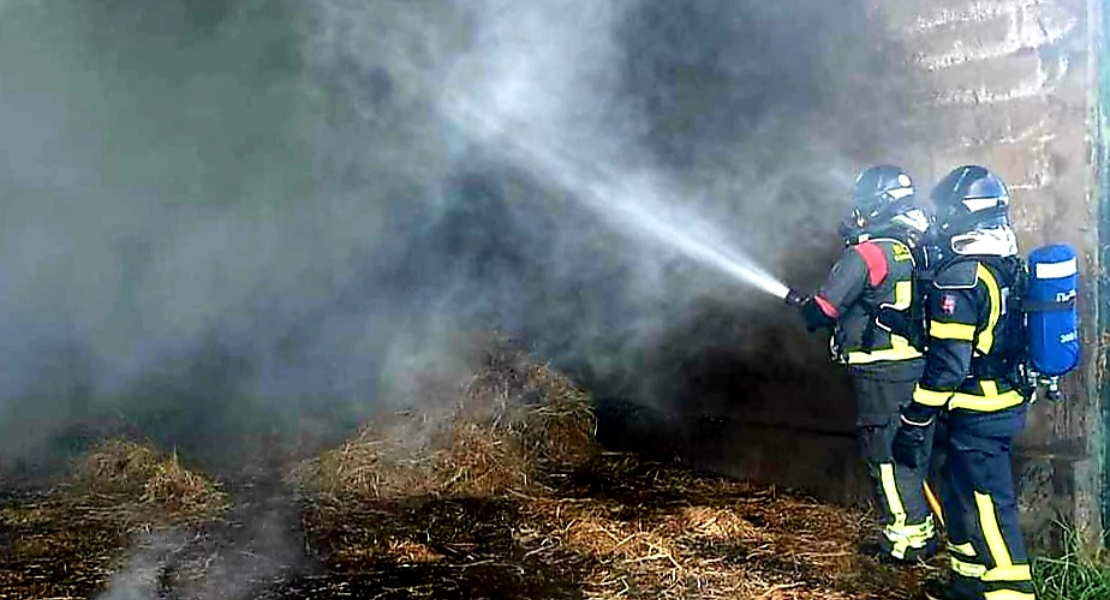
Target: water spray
{"points": [[631, 200], [636, 200]]}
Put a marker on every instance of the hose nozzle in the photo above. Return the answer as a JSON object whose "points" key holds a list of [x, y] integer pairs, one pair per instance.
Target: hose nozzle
{"points": [[793, 298]]}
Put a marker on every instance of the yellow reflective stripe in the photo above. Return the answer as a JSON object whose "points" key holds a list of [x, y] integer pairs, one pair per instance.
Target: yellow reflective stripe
{"points": [[951, 331], [894, 503], [890, 491], [986, 338], [903, 295], [985, 403], [1008, 595], [900, 350], [967, 569], [1011, 573], [962, 549], [988, 523], [929, 397], [913, 536]]}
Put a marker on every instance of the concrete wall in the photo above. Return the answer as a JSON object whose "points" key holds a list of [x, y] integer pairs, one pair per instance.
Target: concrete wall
{"points": [[1010, 84]]}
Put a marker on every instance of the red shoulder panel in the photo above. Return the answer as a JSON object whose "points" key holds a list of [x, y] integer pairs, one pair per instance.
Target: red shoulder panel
{"points": [[875, 259]]}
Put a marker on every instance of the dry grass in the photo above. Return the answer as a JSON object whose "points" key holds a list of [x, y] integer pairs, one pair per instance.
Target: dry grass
{"points": [[668, 536], [498, 490], [618, 528]]}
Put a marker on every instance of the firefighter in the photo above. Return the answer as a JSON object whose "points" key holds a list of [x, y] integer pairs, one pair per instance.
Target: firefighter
{"points": [[972, 380], [867, 300]]}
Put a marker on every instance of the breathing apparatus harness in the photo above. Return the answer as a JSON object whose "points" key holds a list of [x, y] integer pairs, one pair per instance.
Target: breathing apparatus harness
{"points": [[910, 229]]}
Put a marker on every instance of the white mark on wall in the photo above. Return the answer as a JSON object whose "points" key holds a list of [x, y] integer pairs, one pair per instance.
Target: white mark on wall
{"points": [[1040, 174], [973, 13], [1043, 81], [1030, 26], [1036, 133]]}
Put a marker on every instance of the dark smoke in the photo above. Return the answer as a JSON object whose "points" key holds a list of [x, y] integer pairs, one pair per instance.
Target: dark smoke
{"points": [[231, 221]]}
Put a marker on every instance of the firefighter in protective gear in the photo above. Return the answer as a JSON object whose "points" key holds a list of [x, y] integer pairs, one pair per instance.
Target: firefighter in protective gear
{"points": [[867, 299], [971, 379]]}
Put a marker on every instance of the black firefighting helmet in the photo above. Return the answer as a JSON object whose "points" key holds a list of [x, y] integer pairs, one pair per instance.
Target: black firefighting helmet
{"points": [[969, 198], [879, 194]]}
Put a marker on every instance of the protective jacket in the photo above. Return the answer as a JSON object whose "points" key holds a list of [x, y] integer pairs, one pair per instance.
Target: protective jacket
{"points": [[971, 364], [869, 277]]}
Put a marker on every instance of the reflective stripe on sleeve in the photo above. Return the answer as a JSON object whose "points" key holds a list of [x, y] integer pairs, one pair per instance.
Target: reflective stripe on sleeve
{"points": [[951, 331], [929, 397]]}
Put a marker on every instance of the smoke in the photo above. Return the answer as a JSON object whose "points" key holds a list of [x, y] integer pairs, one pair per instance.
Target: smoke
{"points": [[258, 549], [228, 218], [582, 138], [237, 227]]}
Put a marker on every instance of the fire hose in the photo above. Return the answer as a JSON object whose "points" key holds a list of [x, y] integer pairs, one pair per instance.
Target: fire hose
{"points": [[934, 503]]}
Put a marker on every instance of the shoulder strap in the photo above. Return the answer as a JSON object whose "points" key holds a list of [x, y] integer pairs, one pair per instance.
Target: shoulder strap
{"points": [[959, 272]]}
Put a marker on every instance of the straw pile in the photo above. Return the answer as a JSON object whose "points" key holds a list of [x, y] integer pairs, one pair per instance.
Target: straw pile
{"points": [[495, 488], [136, 476], [67, 541], [510, 425]]}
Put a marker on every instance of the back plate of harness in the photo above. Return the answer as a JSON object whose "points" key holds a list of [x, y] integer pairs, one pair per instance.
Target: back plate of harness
{"points": [[1006, 359]]}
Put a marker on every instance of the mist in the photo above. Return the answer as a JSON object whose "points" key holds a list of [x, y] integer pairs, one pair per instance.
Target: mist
{"points": [[235, 220]]}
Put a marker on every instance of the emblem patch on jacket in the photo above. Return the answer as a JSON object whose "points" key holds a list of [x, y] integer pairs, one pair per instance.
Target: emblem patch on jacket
{"points": [[948, 304]]}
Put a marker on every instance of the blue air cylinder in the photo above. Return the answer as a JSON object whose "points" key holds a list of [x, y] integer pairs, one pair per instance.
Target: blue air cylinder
{"points": [[1050, 307]]}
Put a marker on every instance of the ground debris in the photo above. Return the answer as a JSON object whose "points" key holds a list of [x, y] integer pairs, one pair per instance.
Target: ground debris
{"points": [[620, 527], [502, 492], [505, 495], [67, 541]]}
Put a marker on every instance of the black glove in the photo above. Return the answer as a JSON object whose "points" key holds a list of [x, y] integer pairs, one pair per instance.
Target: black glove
{"points": [[909, 447], [814, 317]]}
